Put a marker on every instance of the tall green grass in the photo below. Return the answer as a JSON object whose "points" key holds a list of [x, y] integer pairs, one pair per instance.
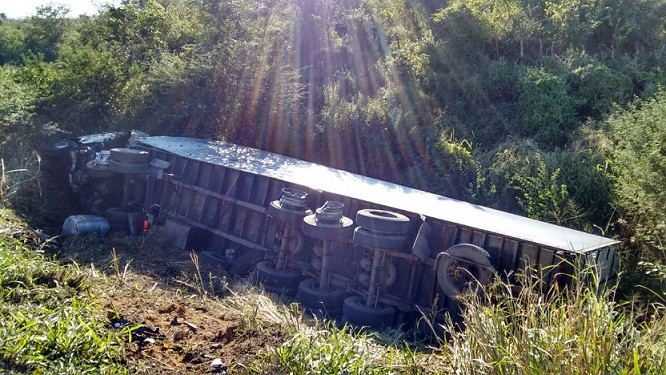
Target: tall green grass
{"points": [[48, 324], [575, 331], [327, 349]]}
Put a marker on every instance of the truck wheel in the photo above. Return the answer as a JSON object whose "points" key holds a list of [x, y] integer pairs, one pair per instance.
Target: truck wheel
{"points": [[357, 313], [277, 281], [286, 215], [212, 259], [99, 171], [116, 215], [381, 221], [388, 242], [246, 262], [320, 302], [127, 168], [463, 267], [323, 230], [130, 155]]}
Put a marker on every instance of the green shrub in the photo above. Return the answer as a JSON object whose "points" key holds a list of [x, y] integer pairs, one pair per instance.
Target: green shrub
{"points": [[12, 38], [585, 173], [455, 169], [544, 198], [570, 187], [639, 166], [17, 103], [80, 95], [545, 109], [598, 89]]}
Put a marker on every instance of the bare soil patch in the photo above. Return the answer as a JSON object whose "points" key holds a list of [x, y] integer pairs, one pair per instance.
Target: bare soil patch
{"points": [[175, 306]]}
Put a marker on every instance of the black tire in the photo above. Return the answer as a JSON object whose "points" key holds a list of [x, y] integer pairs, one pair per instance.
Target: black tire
{"points": [[130, 155], [276, 211], [320, 302], [358, 314], [212, 259], [277, 281], [99, 171], [381, 221], [127, 168], [463, 267], [246, 262], [388, 242], [117, 215], [322, 230]]}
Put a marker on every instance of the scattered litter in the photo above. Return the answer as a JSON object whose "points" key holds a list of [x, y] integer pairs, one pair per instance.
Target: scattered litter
{"points": [[218, 366], [119, 323], [174, 321], [141, 334], [191, 326]]}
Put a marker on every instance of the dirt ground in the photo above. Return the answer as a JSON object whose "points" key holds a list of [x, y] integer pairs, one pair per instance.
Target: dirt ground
{"points": [[189, 333], [175, 321]]}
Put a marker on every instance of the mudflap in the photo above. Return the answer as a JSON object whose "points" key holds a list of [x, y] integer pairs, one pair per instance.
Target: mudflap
{"points": [[421, 247]]}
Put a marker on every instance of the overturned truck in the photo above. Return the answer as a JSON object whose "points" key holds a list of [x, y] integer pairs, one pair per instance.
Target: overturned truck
{"points": [[375, 252]]}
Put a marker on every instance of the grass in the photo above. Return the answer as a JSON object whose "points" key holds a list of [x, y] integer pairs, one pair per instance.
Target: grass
{"points": [[48, 322], [576, 331], [327, 349], [312, 346]]}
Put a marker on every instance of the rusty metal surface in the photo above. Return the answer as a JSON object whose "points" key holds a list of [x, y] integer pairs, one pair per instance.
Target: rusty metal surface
{"points": [[378, 192]]}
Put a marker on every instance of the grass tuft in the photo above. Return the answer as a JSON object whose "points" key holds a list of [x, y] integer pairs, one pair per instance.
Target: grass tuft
{"points": [[577, 331], [48, 324]]}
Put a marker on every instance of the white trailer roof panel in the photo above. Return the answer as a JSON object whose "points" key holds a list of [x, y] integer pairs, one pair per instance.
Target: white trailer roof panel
{"points": [[379, 192]]}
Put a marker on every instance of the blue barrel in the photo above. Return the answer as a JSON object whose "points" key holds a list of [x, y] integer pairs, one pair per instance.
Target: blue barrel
{"points": [[77, 225]]}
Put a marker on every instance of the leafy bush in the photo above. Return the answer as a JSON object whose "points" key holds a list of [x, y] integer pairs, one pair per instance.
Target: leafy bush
{"points": [[12, 39], [639, 166], [598, 88], [17, 103], [544, 198], [81, 97], [46, 31], [455, 169], [545, 109], [585, 173], [570, 188]]}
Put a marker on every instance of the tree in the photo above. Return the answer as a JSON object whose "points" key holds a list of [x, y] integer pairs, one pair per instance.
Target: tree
{"points": [[46, 31], [12, 39]]}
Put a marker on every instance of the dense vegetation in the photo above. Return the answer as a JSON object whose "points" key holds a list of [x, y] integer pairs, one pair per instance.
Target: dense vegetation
{"points": [[550, 109]]}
